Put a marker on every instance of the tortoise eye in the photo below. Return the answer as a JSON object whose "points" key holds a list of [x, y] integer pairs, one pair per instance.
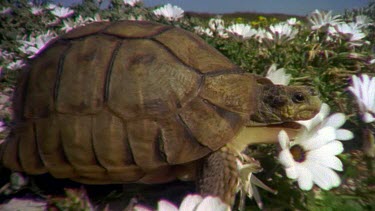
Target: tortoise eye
{"points": [[298, 97]]}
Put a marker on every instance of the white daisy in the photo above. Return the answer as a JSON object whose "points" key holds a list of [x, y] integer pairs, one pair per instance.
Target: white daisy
{"points": [[54, 22], [191, 202], [363, 21], [136, 18], [34, 45], [278, 76], [311, 157], [217, 27], [16, 65], [293, 21], [318, 118], [96, 18], [248, 182], [203, 31], [348, 31], [216, 24], [131, 3], [169, 12], [70, 24], [35, 10], [2, 126], [282, 32], [51, 6], [320, 19], [363, 88], [62, 12], [262, 34], [5, 55], [5, 11], [242, 31]]}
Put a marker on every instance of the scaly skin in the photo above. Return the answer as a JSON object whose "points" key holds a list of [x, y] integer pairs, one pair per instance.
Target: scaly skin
{"points": [[219, 175], [277, 106]]}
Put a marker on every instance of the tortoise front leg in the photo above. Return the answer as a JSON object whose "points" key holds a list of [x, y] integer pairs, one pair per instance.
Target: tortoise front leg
{"points": [[218, 175]]}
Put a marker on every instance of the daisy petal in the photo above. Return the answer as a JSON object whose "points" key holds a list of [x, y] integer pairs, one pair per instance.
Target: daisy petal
{"points": [[335, 120], [305, 178], [324, 177], [319, 139], [212, 204], [344, 135], [283, 139], [166, 206], [329, 161], [368, 118], [317, 119], [286, 159], [332, 148], [190, 202], [141, 208], [291, 172]]}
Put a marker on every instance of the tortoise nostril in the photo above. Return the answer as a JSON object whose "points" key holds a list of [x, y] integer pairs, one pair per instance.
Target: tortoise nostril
{"points": [[298, 97]]}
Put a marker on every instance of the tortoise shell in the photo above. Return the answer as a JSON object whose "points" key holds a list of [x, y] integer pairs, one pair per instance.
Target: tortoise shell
{"points": [[119, 102]]}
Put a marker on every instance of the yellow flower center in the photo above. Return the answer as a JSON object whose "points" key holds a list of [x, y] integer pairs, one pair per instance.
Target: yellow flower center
{"points": [[298, 153]]}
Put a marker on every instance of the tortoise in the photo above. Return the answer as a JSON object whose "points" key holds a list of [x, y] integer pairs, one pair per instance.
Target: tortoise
{"points": [[141, 102]]}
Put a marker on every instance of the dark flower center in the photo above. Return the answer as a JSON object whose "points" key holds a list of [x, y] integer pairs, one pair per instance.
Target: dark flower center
{"points": [[298, 153]]}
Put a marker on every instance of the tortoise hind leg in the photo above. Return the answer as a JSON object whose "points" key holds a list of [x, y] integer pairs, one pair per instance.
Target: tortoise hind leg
{"points": [[218, 175]]}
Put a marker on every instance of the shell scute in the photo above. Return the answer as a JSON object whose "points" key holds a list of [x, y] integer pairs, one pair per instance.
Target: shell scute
{"points": [[40, 86], [178, 145], [147, 81], [194, 52], [52, 152], [82, 79], [143, 138], [207, 125], [225, 92], [135, 29], [89, 29]]}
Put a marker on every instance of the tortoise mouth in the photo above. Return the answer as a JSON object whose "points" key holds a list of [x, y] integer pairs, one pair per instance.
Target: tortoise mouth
{"points": [[305, 114], [291, 125], [287, 125]]}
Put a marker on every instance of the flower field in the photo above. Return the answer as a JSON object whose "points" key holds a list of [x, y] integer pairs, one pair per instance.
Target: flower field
{"points": [[328, 166]]}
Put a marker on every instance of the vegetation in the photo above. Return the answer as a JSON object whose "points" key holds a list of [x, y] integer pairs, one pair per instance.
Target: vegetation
{"points": [[325, 56]]}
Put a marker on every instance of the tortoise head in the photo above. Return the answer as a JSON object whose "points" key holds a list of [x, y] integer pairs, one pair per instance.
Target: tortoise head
{"points": [[278, 103]]}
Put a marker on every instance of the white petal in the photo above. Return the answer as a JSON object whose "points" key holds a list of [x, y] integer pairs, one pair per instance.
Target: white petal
{"points": [[283, 139], [164, 205], [371, 93], [332, 148], [286, 159], [335, 120], [330, 161], [291, 172], [324, 177], [322, 137], [255, 181], [190, 202], [327, 133], [212, 204], [368, 118], [141, 208], [257, 197], [342, 134], [305, 178]]}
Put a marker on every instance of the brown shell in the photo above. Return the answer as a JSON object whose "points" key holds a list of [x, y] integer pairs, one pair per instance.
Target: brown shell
{"points": [[116, 102]]}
